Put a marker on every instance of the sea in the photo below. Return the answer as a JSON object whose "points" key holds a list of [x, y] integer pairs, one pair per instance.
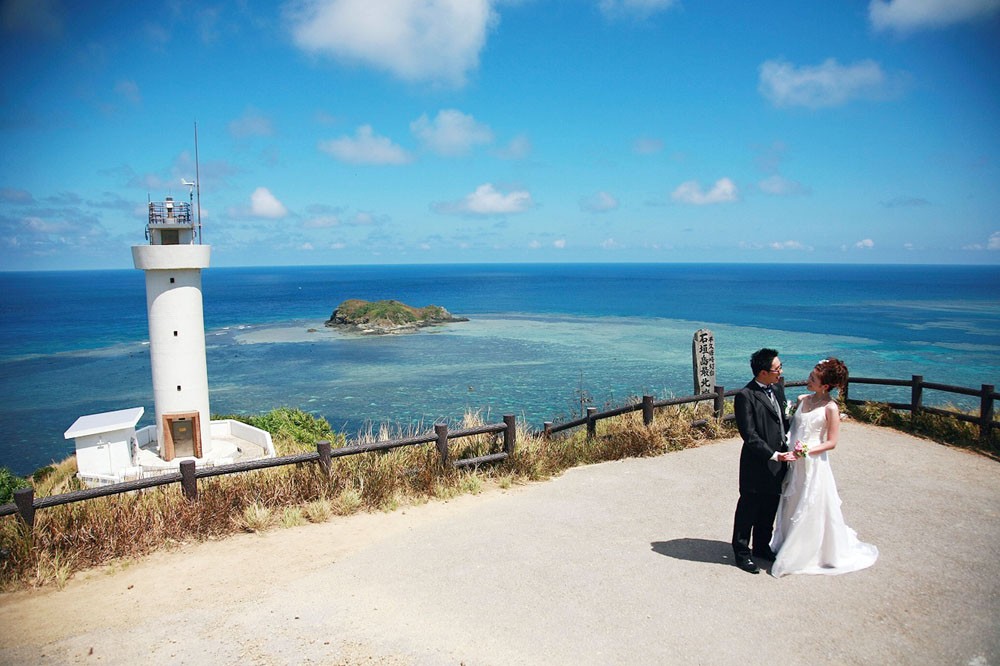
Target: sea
{"points": [[543, 341]]}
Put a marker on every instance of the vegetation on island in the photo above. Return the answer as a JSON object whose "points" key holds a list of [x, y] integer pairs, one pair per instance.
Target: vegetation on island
{"points": [[381, 317]]}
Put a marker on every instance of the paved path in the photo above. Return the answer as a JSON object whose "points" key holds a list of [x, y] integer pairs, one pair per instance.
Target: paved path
{"points": [[617, 563]]}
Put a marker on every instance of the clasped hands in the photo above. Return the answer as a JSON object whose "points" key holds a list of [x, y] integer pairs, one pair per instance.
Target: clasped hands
{"points": [[787, 456]]}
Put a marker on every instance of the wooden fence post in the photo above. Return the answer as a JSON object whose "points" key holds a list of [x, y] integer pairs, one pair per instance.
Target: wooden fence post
{"points": [[323, 449], [916, 394], [547, 429], [591, 422], [189, 484], [510, 434], [441, 430], [647, 410], [24, 498], [986, 412], [719, 403]]}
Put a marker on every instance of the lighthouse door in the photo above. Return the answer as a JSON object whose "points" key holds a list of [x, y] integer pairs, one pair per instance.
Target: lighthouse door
{"points": [[182, 433], [183, 436]]}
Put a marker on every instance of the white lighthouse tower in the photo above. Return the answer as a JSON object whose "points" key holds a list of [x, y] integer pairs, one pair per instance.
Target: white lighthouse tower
{"points": [[109, 448], [173, 261]]}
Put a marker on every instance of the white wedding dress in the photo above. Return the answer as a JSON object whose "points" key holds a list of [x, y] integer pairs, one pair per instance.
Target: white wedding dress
{"points": [[810, 536]]}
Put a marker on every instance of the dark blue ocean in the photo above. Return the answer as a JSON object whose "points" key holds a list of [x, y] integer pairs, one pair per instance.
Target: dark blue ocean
{"points": [[539, 337]]}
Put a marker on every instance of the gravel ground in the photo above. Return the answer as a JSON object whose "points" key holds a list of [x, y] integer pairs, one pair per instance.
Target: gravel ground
{"points": [[619, 563]]}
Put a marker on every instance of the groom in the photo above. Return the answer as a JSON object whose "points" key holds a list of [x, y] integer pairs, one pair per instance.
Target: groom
{"points": [[760, 416]]}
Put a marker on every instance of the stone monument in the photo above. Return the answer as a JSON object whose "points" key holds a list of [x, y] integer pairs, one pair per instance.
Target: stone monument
{"points": [[703, 359]]}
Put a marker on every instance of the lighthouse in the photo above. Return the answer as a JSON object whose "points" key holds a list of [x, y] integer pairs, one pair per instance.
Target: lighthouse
{"points": [[109, 448], [173, 260]]}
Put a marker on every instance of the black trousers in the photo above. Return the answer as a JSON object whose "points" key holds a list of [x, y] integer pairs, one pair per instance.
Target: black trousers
{"points": [[754, 519]]}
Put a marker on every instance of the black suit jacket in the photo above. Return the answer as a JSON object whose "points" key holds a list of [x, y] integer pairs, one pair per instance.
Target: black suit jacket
{"points": [[762, 429]]}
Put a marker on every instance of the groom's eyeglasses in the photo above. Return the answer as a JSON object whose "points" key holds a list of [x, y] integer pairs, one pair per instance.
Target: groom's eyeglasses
{"points": [[778, 369]]}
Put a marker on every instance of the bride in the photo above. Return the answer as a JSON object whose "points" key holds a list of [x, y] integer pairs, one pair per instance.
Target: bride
{"points": [[810, 536]]}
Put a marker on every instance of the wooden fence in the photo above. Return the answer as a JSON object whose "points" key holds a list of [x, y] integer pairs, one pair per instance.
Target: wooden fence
{"points": [[986, 393], [25, 504]]}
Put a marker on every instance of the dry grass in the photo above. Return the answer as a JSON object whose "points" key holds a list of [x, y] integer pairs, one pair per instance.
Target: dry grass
{"points": [[81, 535], [941, 429]]}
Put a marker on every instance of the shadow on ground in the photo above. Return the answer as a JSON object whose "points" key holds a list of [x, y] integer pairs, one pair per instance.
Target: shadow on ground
{"points": [[696, 550]]}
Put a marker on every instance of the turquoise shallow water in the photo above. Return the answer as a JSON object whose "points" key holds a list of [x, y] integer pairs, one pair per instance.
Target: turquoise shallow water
{"points": [[538, 338]]}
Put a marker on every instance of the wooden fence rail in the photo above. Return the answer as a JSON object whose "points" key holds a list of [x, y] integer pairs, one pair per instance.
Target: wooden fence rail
{"points": [[986, 393], [25, 503]]}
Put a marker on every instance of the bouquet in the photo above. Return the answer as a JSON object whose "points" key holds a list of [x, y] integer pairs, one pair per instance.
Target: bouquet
{"points": [[801, 450]]}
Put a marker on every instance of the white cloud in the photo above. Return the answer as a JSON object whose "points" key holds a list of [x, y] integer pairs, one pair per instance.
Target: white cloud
{"points": [[637, 8], [129, 90], [534, 245], [365, 147], [780, 186], [647, 145], [321, 222], [306, 246], [251, 123], [43, 226], [690, 192], [487, 200], [559, 244], [16, 196], [865, 244], [207, 19], [787, 245], [265, 204], [601, 202], [994, 242], [906, 202], [451, 133], [518, 148], [911, 15], [415, 40], [610, 244], [363, 219], [825, 85]]}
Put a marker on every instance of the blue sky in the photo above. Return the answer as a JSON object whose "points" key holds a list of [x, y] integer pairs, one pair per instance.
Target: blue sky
{"points": [[442, 131]]}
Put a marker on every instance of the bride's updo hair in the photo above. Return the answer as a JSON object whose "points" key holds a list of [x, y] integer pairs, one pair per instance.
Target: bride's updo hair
{"points": [[832, 372]]}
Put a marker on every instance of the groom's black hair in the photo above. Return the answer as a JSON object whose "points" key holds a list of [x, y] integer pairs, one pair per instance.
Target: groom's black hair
{"points": [[762, 360]]}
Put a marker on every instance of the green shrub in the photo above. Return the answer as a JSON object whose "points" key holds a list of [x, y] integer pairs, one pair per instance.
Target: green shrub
{"points": [[9, 482], [292, 430]]}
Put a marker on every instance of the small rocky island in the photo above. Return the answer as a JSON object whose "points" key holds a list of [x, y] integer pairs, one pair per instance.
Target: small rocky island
{"points": [[386, 317]]}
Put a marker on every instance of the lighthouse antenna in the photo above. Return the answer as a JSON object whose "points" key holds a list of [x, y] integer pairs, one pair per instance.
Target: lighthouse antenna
{"points": [[197, 179]]}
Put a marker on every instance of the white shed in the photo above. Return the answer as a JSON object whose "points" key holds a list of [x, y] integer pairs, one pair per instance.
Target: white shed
{"points": [[106, 447]]}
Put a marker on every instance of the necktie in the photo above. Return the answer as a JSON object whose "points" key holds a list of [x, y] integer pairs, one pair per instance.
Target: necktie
{"points": [[774, 403]]}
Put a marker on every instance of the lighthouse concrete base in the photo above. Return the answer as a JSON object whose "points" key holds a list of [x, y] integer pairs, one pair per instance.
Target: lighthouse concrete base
{"points": [[232, 441]]}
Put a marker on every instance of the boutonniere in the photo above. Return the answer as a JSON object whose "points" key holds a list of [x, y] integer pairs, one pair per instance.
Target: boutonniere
{"points": [[789, 408]]}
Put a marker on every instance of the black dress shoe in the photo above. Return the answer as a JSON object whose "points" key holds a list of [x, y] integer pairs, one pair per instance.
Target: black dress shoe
{"points": [[765, 554], [747, 565]]}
